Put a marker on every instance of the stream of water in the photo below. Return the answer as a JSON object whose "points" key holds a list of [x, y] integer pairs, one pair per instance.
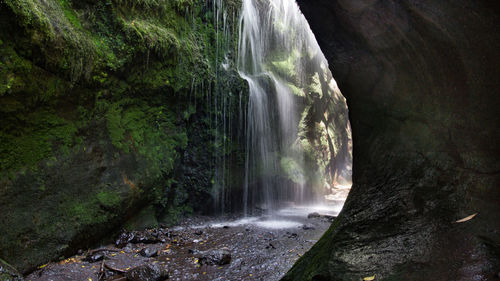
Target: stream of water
{"points": [[284, 66]]}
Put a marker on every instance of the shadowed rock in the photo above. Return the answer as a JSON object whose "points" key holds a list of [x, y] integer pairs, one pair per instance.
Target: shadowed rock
{"points": [[213, 257], [421, 82], [147, 272]]}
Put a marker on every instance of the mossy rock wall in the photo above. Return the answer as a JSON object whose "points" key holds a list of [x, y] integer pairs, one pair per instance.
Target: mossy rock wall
{"points": [[104, 110]]}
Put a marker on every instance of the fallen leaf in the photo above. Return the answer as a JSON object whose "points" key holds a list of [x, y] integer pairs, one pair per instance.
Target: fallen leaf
{"points": [[42, 266], [467, 218], [369, 278]]}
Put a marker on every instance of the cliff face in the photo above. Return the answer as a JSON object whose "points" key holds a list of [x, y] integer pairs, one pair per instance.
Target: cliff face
{"points": [[126, 113], [421, 82], [104, 109]]}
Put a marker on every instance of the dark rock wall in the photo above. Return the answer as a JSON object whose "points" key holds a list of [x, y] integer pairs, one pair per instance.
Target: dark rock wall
{"points": [[107, 113], [421, 80]]}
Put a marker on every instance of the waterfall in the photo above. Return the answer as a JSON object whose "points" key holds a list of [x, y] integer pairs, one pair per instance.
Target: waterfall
{"points": [[285, 69]]}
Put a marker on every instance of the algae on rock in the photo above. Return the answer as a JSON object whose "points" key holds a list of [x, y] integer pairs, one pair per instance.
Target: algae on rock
{"points": [[100, 106]]}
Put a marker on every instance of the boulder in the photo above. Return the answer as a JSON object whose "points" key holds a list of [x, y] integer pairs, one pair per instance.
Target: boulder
{"points": [[313, 215], [147, 272], [213, 257]]}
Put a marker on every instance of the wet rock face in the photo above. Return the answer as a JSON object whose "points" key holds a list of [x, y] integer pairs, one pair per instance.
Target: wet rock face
{"points": [[91, 140], [420, 79], [213, 257], [148, 272]]}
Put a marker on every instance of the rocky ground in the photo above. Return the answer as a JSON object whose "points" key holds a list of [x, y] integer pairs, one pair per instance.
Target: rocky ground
{"points": [[255, 248]]}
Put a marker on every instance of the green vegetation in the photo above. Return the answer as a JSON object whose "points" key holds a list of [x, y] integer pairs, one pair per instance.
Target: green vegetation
{"points": [[92, 43], [108, 199], [293, 170], [315, 267], [99, 102]]}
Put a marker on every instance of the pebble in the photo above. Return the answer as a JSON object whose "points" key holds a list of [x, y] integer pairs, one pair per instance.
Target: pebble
{"points": [[149, 252], [94, 257], [308, 227]]}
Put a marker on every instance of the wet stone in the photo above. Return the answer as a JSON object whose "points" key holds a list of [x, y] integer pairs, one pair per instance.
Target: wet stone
{"points": [[213, 257], [94, 257], [313, 215], [136, 237], [308, 227], [147, 272], [221, 254], [124, 238], [144, 237], [329, 218], [149, 252], [129, 247], [270, 246], [317, 215]]}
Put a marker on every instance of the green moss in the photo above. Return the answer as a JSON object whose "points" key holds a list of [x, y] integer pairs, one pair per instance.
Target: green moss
{"points": [[86, 213], [286, 66], [91, 209], [292, 170], [148, 131], [296, 90], [312, 263], [83, 89], [70, 48], [42, 130], [70, 13], [155, 37], [115, 128], [108, 199], [31, 15]]}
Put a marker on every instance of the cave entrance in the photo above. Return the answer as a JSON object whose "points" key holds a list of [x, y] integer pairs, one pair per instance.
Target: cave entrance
{"points": [[299, 146]]}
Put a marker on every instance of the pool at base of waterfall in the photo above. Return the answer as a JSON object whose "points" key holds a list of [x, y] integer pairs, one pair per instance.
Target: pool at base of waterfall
{"points": [[260, 247]]}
